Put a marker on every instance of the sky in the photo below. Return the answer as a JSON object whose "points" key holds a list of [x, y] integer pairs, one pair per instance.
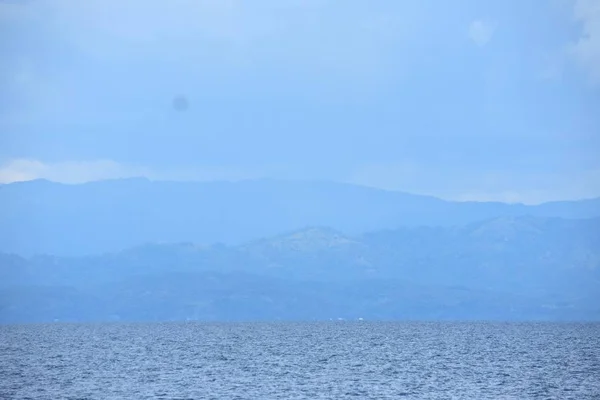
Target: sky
{"points": [[464, 100]]}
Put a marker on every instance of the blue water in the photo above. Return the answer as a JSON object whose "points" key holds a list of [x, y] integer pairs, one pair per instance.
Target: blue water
{"points": [[300, 361]]}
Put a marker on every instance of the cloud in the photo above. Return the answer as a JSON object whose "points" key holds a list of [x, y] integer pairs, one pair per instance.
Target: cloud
{"points": [[74, 172], [481, 32], [587, 48], [66, 172], [231, 32], [306, 84], [461, 183], [73, 57]]}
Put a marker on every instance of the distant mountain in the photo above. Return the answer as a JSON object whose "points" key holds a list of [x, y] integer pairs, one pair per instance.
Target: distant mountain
{"points": [[41, 217], [503, 268]]}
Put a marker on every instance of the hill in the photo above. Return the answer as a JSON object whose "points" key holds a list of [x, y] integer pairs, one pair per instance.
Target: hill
{"points": [[511, 268]]}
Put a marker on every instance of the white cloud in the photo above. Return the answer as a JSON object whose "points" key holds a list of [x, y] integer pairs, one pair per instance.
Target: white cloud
{"points": [[73, 172], [66, 172], [481, 32], [465, 184], [532, 187], [587, 48]]}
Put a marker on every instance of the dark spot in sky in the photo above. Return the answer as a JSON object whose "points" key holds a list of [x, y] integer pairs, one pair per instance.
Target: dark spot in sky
{"points": [[180, 103]]}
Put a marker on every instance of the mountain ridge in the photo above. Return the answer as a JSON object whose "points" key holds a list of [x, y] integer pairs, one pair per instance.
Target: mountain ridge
{"points": [[547, 268], [78, 219]]}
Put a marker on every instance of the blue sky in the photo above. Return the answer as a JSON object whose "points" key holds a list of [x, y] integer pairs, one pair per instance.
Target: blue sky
{"points": [[485, 100]]}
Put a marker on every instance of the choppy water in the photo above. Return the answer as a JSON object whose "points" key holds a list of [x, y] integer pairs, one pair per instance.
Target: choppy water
{"points": [[300, 361]]}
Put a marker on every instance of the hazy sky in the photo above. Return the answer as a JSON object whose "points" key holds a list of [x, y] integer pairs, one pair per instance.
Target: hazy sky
{"points": [[465, 99]]}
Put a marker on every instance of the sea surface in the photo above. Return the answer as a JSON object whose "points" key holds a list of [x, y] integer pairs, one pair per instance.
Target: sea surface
{"points": [[337, 360]]}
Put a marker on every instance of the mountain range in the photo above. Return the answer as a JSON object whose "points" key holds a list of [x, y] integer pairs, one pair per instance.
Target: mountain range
{"points": [[504, 268], [43, 217]]}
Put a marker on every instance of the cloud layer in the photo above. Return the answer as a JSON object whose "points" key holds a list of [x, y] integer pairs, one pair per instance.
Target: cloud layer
{"points": [[305, 89]]}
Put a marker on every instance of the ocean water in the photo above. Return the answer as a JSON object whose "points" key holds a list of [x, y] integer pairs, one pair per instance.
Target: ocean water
{"points": [[358, 360]]}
